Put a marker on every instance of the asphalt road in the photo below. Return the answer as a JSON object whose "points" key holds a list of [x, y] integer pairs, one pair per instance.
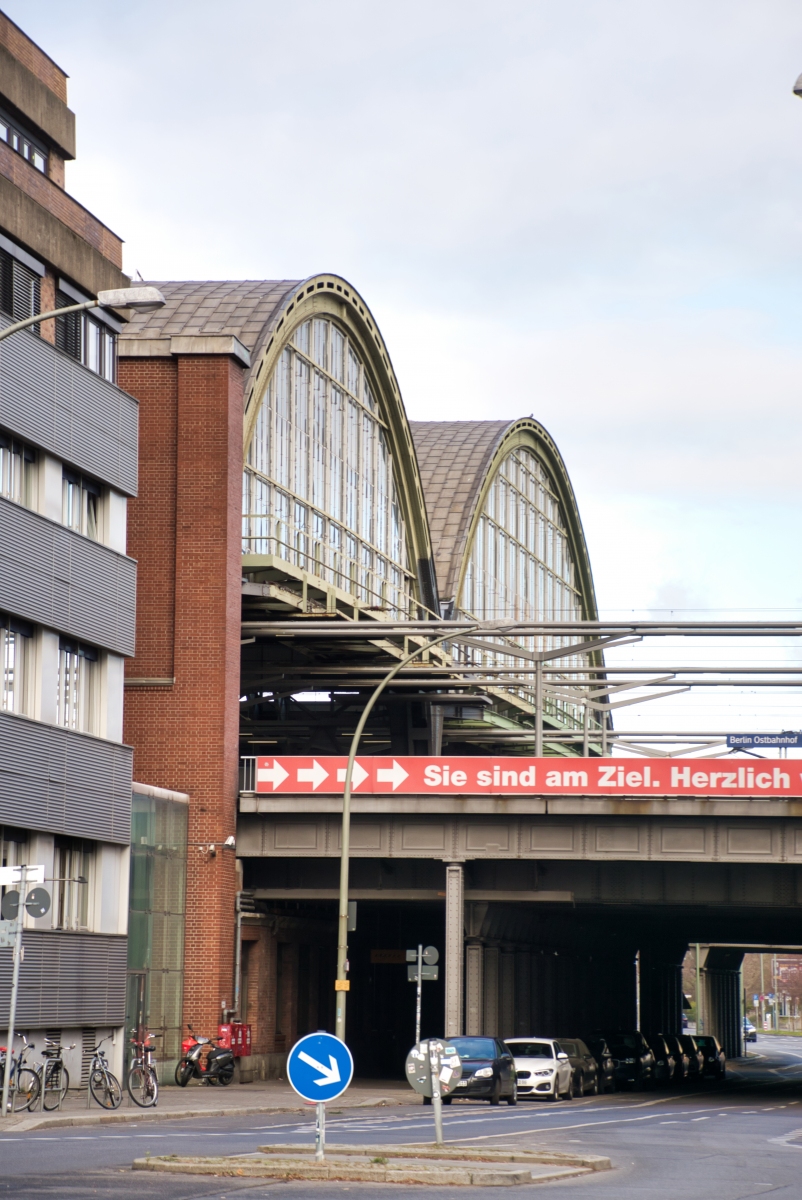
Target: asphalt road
{"points": [[741, 1139]]}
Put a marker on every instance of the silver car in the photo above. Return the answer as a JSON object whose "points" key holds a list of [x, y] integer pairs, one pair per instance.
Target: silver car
{"points": [[542, 1068]]}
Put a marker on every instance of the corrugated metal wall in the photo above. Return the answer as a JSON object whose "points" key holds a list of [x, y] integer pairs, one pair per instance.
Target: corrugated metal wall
{"points": [[58, 404], [54, 577], [54, 780], [66, 979]]}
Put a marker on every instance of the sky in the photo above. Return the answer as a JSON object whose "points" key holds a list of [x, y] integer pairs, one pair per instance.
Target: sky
{"points": [[587, 210]]}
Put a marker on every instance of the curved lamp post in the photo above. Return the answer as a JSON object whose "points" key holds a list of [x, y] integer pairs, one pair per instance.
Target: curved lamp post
{"points": [[140, 299], [341, 984]]}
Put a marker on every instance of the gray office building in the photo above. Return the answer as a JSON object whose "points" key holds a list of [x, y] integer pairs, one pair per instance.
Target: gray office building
{"points": [[68, 465]]}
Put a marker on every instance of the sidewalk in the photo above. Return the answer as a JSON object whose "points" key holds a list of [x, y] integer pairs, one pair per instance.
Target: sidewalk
{"points": [[198, 1100]]}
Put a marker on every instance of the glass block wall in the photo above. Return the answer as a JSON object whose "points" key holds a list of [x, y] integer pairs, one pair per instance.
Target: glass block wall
{"points": [[156, 923]]}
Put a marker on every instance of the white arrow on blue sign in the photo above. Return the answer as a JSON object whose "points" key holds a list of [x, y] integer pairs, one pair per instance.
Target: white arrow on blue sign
{"points": [[320, 1067]]}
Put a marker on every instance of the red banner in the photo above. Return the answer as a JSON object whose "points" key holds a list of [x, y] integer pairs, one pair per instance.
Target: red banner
{"points": [[475, 776]]}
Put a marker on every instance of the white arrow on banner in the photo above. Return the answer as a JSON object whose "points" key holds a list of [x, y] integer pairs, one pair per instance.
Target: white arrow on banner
{"points": [[275, 774], [394, 775], [314, 774], [330, 1074], [358, 775]]}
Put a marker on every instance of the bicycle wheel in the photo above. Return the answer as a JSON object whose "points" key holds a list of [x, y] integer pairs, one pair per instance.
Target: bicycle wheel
{"points": [[143, 1086], [105, 1089], [57, 1081], [26, 1089]]}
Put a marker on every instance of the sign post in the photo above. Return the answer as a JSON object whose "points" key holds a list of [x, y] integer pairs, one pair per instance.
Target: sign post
{"points": [[37, 904], [418, 973], [433, 1069], [320, 1068]]}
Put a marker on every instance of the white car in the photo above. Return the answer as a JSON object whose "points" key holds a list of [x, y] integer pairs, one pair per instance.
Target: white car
{"points": [[541, 1068]]}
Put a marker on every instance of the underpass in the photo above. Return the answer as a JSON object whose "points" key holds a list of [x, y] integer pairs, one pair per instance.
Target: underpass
{"points": [[556, 911]]}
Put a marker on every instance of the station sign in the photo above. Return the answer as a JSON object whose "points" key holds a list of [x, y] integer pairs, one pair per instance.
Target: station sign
{"points": [[751, 741], [480, 776]]}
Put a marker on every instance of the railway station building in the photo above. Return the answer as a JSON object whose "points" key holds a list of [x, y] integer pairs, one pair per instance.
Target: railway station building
{"points": [[281, 481]]}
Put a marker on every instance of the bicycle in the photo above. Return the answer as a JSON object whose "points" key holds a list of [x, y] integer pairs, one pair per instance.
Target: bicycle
{"points": [[54, 1078], [142, 1081], [103, 1086], [24, 1085]]}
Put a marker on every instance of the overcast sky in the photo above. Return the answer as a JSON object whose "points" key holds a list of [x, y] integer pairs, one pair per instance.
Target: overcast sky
{"points": [[586, 210]]}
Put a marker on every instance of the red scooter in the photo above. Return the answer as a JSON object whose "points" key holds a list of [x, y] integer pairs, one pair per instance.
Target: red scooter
{"points": [[217, 1068]]}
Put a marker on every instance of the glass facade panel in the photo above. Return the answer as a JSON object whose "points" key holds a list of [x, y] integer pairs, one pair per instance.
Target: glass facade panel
{"points": [[521, 567], [156, 922], [319, 438]]}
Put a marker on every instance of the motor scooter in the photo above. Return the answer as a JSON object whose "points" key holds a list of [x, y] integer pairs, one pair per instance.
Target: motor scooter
{"points": [[218, 1066]]}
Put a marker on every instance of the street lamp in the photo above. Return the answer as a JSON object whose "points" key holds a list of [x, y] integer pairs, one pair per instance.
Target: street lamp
{"points": [[140, 299], [341, 983]]}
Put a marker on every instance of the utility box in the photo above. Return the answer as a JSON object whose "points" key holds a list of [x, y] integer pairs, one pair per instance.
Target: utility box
{"points": [[235, 1036]]}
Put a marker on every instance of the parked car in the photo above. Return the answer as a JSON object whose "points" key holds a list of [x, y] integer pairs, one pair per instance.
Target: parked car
{"points": [[750, 1033], [681, 1062], [542, 1068], [488, 1070], [715, 1060], [605, 1066], [696, 1060], [634, 1061], [583, 1066], [663, 1059]]}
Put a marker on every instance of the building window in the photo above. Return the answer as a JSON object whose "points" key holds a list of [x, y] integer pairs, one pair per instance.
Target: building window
{"points": [[17, 470], [16, 646], [86, 339], [73, 864], [77, 699], [18, 138], [80, 504], [320, 459], [19, 289]]}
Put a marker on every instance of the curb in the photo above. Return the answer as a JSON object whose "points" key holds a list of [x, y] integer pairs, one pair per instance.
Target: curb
{"points": [[31, 1124], [451, 1175]]}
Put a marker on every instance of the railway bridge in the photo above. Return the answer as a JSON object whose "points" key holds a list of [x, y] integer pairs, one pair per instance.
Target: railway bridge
{"points": [[565, 894]]}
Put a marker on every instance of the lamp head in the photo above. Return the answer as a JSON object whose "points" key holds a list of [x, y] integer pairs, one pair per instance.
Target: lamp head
{"points": [[798, 87], [140, 299]]}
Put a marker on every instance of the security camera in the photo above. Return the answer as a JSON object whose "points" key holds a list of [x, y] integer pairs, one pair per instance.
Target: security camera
{"points": [[230, 842]]}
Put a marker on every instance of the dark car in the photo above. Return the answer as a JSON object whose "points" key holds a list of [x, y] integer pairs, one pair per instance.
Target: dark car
{"points": [[696, 1059], [750, 1033], [585, 1073], [663, 1059], [715, 1063], [634, 1061], [605, 1067], [488, 1070], [678, 1053]]}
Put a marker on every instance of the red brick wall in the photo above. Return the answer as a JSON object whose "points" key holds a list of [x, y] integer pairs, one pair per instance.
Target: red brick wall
{"points": [[30, 55], [184, 530], [55, 200]]}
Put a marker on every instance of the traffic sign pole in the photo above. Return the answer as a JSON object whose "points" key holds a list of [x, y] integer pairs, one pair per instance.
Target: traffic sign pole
{"points": [[418, 999], [12, 1008], [341, 982], [437, 1102], [320, 1132]]}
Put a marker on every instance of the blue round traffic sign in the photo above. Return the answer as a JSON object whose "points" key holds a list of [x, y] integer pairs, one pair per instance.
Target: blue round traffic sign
{"points": [[320, 1067]]}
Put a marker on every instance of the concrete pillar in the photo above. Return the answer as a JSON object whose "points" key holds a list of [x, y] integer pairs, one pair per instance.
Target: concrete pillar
{"points": [[507, 993], [455, 923], [491, 973], [661, 987], [474, 989], [722, 998], [523, 995]]}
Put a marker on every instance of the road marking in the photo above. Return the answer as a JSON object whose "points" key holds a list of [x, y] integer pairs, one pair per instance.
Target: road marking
{"points": [[700, 1118]]}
